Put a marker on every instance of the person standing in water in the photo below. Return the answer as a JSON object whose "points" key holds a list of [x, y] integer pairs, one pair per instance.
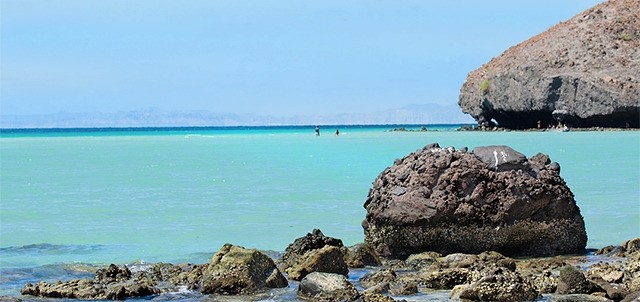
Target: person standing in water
{"points": [[317, 130], [337, 132]]}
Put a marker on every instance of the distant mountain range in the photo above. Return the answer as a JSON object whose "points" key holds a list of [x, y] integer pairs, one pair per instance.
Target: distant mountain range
{"points": [[412, 114]]}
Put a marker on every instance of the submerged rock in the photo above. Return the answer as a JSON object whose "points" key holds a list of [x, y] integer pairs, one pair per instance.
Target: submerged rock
{"points": [[447, 201], [583, 73]]}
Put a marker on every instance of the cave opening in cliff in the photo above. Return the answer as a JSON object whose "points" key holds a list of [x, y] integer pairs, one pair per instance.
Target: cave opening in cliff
{"points": [[629, 118], [623, 119], [524, 120]]}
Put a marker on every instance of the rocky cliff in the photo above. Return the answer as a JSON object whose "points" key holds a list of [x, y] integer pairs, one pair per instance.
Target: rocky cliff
{"points": [[584, 72]]}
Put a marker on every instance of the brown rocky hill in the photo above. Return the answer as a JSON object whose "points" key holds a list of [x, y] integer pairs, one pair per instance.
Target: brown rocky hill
{"points": [[584, 72]]}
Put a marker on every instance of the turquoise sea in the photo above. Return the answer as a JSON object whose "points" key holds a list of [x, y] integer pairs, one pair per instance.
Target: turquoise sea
{"points": [[74, 198]]}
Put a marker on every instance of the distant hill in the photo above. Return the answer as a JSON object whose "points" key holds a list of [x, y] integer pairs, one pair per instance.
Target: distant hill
{"points": [[412, 114]]}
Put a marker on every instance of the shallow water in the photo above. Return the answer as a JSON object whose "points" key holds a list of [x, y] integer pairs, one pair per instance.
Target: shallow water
{"points": [[177, 195]]}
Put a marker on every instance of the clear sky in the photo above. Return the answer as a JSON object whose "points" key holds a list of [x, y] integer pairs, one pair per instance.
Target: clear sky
{"points": [[276, 58]]}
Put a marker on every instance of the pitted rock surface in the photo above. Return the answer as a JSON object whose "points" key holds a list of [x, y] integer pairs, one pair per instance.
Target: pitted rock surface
{"points": [[448, 201]]}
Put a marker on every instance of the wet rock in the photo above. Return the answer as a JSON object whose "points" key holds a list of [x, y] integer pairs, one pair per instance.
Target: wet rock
{"points": [[113, 274], [457, 203], [318, 286], [328, 259], [112, 283], [236, 270]]}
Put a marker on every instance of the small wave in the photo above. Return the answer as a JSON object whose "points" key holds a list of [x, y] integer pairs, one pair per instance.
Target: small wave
{"points": [[52, 249], [199, 136]]}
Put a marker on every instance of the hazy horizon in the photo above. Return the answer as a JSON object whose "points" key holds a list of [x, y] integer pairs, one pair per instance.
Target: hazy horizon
{"points": [[281, 58], [153, 117]]}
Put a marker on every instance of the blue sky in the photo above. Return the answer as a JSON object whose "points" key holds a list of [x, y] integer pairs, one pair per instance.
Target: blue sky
{"points": [[279, 58]]}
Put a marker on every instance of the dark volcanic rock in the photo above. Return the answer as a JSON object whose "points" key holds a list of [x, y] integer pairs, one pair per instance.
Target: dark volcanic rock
{"points": [[442, 200], [584, 72]]}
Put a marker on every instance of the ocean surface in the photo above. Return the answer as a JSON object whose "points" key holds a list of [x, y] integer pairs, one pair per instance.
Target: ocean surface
{"points": [[74, 199]]}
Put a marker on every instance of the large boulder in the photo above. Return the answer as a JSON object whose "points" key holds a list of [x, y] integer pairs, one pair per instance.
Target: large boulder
{"points": [[584, 72], [492, 199], [236, 270]]}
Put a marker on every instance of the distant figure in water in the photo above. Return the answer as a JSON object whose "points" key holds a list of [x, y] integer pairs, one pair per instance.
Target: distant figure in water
{"points": [[337, 132], [317, 130]]}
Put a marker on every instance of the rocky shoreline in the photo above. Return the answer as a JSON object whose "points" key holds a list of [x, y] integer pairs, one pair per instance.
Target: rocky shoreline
{"points": [[483, 225], [317, 267]]}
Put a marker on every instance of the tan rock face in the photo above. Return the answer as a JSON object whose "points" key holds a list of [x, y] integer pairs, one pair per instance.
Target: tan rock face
{"points": [[584, 72]]}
